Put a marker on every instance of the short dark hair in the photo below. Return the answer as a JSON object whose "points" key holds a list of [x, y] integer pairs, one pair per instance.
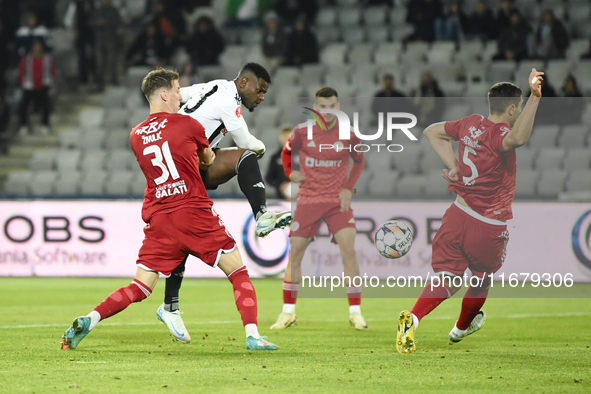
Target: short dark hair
{"points": [[258, 70], [157, 79], [326, 92], [501, 95]]}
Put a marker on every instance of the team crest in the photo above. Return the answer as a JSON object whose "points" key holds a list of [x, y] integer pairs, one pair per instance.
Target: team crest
{"points": [[238, 111]]}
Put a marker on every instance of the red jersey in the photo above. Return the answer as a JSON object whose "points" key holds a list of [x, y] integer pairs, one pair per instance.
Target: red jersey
{"points": [[324, 161], [487, 173], [165, 145]]}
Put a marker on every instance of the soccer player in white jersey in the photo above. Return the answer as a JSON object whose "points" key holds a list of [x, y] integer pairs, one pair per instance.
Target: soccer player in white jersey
{"points": [[217, 105]]}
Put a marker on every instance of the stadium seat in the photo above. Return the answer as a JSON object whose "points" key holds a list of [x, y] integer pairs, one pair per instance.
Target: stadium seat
{"points": [[361, 54], [577, 158], [42, 183], [469, 52], [362, 184], [267, 117], [93, 160], [92, 139], [91, 117], [327, 34], [579, 12], [312, 74], [410, 186], [579, 181], [383, 184], [573, 136], [416, 52], [441, 52], [349, 17], [446, 73], [251, 36], [431, 162], [576, 48], [337, 77], [502, 70], [457, 111], [477, 89], [43, 159], [17, 183], [115, 96], [408, 160], [92, 183], [551, 183], [118, 183], [436, 185], [375, 16], [364, 75], [378, 34], [557, 71], [524, 69], [136, 117], [138, 185], [398, 15], [550, 159], [286, 75], [525, 183], [544, 136], [525, 158], [227, 189], [67, 184], [119, 160], [118, 139], [288, 98], [326, 17], [401, 31], [135, 76], [353, 35], [116, 118], [70, 138], [347, 3], [67, 160], [333, 54], [378, 162], [62, 40]]}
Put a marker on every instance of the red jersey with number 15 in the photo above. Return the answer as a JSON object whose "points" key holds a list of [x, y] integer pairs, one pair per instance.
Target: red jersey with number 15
{"points": [[165, 146], [487, 173]]}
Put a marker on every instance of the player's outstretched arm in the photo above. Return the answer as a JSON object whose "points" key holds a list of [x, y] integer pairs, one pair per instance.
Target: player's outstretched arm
{"points": [[245, 140], [206, 157], [440, 141], [524, 124]]}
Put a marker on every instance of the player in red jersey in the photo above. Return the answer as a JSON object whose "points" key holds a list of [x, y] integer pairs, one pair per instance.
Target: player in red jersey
{"points": [[326, 187], [171, 149], [473, 232]]}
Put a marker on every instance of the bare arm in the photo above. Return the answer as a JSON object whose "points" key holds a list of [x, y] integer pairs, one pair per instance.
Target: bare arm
{"points": [[441, 143], [206, 157], [522, 128]]}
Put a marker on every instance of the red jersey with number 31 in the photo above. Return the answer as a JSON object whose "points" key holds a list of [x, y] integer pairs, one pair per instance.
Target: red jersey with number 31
{"points": [[165, 146], [487, 173]]}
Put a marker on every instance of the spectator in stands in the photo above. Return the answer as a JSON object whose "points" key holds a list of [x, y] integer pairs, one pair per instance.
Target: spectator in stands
{"points": [[290, 10], [275, 173], [30, 33], [503, 19], [551, 38], [481, 23], [206, 44], [302, 47], [170, 24], [78, 19], [37, 75], [422, 15], [573, 103], [242, 13], [9, 20], [274, 42], [428, 108], [106, 22], [4, 57], [4, 117], [512, 41], [389, 99], [548, 108], [452, 25], [149, 49], [188, 76]]}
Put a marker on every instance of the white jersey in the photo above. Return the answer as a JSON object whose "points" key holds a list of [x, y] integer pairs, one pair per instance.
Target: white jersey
{"points": [[218, 107]]}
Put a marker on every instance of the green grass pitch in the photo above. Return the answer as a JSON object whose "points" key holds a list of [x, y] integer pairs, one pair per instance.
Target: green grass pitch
{"points": [[526, 346]]}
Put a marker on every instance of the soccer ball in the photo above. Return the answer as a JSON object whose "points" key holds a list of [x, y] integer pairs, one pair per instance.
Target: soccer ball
{"points": [[393, 239]]}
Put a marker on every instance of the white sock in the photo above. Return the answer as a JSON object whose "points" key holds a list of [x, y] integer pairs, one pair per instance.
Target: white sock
{"points": [[289, 309], [459, 332], [354, 309], [95, 317], [252, 331], [415, 321]]}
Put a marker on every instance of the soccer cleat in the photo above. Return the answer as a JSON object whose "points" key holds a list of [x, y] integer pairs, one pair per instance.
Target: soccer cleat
{"points": [[175, 324], [74, 334], [270, 221], [358, 321], [260, 343], [405, 338], [285, 320], [476, 325]]}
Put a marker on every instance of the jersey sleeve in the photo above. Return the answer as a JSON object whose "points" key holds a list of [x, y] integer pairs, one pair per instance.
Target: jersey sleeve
{"points": [[231, 117], [197, 133], [498, 135], [452, 128], [286, 158]]}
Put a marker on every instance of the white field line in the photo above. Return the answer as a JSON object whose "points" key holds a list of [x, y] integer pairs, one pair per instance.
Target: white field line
{"points": [[215, 322]]}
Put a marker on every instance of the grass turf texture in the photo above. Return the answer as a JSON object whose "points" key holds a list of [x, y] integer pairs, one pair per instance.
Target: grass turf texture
{"points": [[527, 345]]}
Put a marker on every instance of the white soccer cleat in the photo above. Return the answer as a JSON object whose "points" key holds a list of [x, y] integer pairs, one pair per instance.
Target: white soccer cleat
{"points": [[357, 321], [476, 325], [285, 320], [270, 221], [175, 324]]}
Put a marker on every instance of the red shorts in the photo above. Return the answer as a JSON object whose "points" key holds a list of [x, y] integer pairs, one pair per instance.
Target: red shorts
{"points": [[170, 237], [306, 219], [464, 241]]}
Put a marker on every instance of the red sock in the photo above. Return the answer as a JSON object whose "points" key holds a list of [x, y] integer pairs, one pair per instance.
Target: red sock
{"points": [[430, 299], [471, 304], [122, 298], [290, 292], [244, 295], [354, 295]]}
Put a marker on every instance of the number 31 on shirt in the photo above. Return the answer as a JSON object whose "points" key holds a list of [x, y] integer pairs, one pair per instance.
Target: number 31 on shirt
{"points": [[169, 168]]}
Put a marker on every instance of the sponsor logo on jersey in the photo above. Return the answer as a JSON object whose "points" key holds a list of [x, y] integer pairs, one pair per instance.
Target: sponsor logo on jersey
{"points": [[171, 189], [504, 130], [470, 142], [239, 111], [152, 127], [311, 162], [474, 132]]}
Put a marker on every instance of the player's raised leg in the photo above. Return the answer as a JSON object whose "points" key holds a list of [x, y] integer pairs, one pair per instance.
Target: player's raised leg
{"points": [[139, 289], [345, 238], [291, 283], [472, 318], [245, 298]]}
